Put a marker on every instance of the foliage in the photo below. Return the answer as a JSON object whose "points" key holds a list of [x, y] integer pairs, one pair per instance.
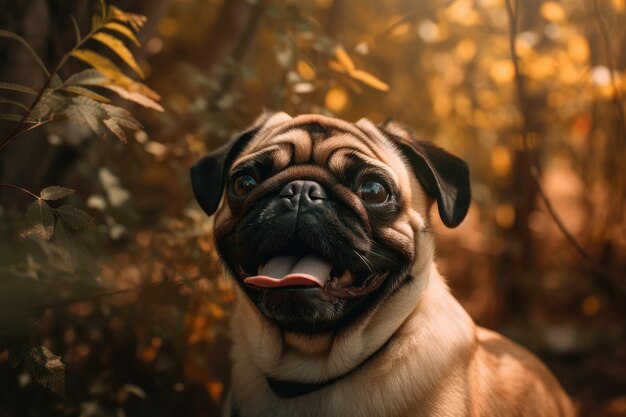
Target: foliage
{"points": [[75, 100]]}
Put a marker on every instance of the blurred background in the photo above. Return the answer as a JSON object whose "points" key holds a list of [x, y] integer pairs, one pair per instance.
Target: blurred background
{"points": [[141, 322]]}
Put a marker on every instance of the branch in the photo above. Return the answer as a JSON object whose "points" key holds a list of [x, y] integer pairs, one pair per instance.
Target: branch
{"points": [[15, 133], [28, 129], [240, 50], [24, 190], [512, 7], [604, 32], [114, 293]]}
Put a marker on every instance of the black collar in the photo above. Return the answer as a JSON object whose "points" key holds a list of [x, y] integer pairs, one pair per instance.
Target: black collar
{"points": [[292, 389]]}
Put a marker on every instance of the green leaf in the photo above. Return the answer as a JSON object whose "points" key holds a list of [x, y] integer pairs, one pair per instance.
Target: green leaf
{"points": [[39, 220], [122, 117], [87, 112], [47, 369], [51, 103], [14, 103], [100, 117], [17, 87], [55, 192], [76, 29], [16, 118], [118, 27], [116, 129], [86, 77], [55, 81], [103, 9], [120, 49], [75, 218], [7, 34], [66, 245], [86, 92]]}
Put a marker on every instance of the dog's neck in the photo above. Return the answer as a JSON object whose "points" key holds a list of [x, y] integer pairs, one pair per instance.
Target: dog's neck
{"points": [[317, 358]]}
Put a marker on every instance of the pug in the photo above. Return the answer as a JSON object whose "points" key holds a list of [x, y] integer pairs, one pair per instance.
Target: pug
{"points": [[324, 226]]}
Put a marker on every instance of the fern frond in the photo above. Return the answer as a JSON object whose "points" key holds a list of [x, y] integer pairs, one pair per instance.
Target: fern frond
{"points": [[120, 49]]}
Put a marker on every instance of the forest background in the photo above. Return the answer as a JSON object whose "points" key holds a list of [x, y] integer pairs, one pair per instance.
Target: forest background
{"points": [[112, 300]]}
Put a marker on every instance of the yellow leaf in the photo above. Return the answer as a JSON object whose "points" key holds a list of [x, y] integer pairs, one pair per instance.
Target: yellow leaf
{"points": [[116, 77], [336, 66], [305, 70], [135, 96], [99, 62], [118, 27], [369, 79], [120, 49], [135, 20], [344, 59], [354, 86], [86, 92]]}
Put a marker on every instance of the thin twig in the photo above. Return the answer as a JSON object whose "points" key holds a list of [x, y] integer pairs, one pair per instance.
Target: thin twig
{"points": [[28, 129], [419, 11], [512, 7], [606, 39], [24, 190], [107, 294]]}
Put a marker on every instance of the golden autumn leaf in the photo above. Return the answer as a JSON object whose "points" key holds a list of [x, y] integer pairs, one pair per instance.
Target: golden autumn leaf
{"points": [[120, 49], [125, 86], [336, 66], [104, 65], [136, 21], [344, 59], [305, 70], [118, 27], [81, 91], [369, 79], [135, 96], [346, 65]]}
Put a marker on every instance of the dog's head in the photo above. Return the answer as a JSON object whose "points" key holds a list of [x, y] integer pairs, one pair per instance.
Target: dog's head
{"points": [[321, 218]]}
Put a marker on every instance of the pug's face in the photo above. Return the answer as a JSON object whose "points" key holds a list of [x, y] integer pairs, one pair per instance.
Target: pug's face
{"points": [[322, 219]]}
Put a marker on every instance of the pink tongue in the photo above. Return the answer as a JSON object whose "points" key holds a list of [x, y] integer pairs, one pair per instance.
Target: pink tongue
{"points": [[282, 271]]}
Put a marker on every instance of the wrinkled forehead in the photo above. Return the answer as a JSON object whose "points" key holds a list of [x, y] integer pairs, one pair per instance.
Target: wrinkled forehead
{"points": [[324, 141]]}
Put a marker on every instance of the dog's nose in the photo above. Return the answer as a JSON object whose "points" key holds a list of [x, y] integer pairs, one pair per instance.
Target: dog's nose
{"points": [[304, 193]]}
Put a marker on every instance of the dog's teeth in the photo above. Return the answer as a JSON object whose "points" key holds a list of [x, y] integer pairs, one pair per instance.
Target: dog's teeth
{"points": [[258, 271]]}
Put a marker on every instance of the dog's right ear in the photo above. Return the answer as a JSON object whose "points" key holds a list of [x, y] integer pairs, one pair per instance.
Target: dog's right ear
{"points": [[208, 175]]}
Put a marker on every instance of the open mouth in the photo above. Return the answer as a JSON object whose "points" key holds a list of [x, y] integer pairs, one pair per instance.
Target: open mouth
{"points": [[311, 271]]}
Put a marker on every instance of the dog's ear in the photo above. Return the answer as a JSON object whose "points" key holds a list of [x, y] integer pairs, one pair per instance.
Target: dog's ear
{"points": [[443, 176], [208, 175]]}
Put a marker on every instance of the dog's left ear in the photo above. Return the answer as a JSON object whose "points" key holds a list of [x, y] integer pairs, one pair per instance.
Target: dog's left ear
{"points": [[208, 175], [444, 176]]}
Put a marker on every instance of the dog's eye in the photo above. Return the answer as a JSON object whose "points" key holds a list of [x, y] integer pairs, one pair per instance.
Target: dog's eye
{"points": [[372, 192], [243, 185]]}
